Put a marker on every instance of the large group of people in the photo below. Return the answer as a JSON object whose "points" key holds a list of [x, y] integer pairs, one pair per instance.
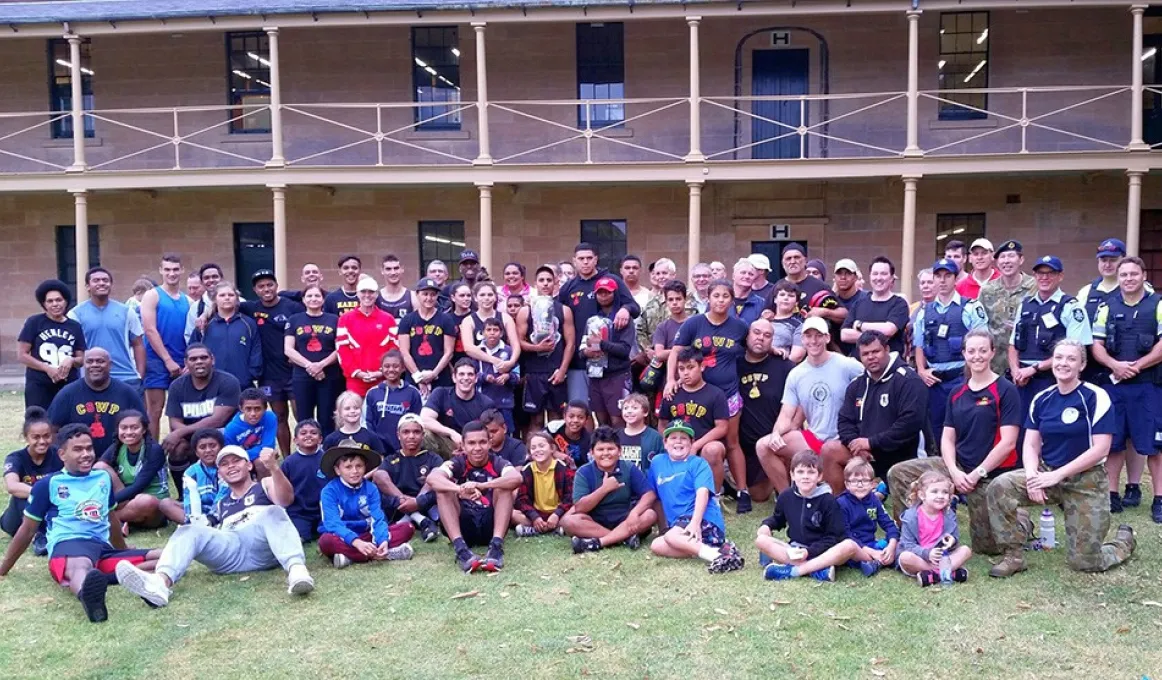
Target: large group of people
{"points": [[616, 408]]}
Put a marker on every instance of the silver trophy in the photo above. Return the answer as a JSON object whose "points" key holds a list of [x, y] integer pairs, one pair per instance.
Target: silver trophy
{"points": [[597, 327], [544, 322]]}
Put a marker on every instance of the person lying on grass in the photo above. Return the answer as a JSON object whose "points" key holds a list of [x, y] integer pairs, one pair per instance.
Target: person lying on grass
{"points": [[815, 528], [546, 490], [77, 507], [612, 499], [685, 487]]}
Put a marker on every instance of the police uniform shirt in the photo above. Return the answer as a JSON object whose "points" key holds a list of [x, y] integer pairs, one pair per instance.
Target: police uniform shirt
{"points": [[1067, 422], [1072, 315], [972, 315]]}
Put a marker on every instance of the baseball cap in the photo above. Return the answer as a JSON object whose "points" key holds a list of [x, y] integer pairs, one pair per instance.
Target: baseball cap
{"points": [[814, 323], [407, 419], [228, 451], [1009, 246], [759, 261], [263, 274], [467, 255], [945, 265], [678, 426], [1111, 247], [846, 264], [427, 283], [605, 283], [981, 243], [366, 283], [1049, 261]]}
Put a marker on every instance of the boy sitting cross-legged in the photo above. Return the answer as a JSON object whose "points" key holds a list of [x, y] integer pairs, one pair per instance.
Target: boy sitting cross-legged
{"points": [[612, 500], [814, 524], [862, 512]]}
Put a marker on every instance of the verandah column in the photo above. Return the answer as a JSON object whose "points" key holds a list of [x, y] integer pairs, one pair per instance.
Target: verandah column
{"points": [[484, 155], [694, 232], [81, 239], [908, 245], [695, 155], [77, 109], [1133, 211], [485, 224], [280, 241], [277, 157], [913, 145]]}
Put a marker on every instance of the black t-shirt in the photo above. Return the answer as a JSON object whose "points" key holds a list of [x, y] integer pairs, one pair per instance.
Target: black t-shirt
{"points": [[721, 346], [271, 322], [397, 308], [21, 464], [461, 471], [99, 410], [426, 341], [339, 302], [809, 288], [187, 402], [867, 310], [761, 385], [409, 473], [51, 342], [452, 411], [977, 416], [365, 438], [314, 339], [698, 409], [458, 352], [514, 451], [578, 449]]}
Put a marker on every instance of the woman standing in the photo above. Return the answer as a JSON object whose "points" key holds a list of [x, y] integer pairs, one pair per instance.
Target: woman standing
{"points": [[514, 282], [981, 422], [316, 380], [50, 344], [721, 338], [1067, 438], [461, 309], [472, 329]]}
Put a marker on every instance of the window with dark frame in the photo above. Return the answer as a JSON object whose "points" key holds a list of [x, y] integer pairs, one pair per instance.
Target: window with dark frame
{"points": [[60, 86], [253, 250], [1150, 249], [441, 240], [66, 254], [248, 61], [966, 227], [436, 77], [963, 65], [609, 238], [600, 73]]}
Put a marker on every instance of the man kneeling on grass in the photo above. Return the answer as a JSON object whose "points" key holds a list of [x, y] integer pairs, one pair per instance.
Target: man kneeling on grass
{"points": [[612, 500], [814, 523], [77, 507], [685, 487], [474, 493], [250, 532]]}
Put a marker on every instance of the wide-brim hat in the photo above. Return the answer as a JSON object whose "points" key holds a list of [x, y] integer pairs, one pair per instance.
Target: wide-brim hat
{"points": [[348, 447]]}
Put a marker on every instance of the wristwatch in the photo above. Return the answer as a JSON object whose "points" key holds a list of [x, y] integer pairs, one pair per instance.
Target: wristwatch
{"points": [[857, 325], [981, 472]]}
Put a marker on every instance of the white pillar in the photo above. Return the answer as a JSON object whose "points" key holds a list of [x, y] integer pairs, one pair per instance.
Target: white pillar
{"points": [[908, 245], [694, 233], [485, 224], [81, 240], [1134, 212], [484, 154], [78, 106], [913, 144], [695, 155], [280, 241], [1136, 89], [277, 157]]}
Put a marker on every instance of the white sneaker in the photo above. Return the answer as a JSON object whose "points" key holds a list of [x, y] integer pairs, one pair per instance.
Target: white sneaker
{"points": [[525, 531], [299, 581], [401, 552], [341, 561], [147, 586]]}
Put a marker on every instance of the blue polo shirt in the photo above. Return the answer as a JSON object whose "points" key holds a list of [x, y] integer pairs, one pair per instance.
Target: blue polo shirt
{"points": [[112, 328], [72, 506], [677, 484], [1067, 422]]}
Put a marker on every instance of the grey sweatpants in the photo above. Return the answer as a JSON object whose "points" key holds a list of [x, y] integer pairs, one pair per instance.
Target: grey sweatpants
{"points": [[266, 541]]}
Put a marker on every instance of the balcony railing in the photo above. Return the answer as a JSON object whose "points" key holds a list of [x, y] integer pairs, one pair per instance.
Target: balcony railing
{"points": [[22, 143]]}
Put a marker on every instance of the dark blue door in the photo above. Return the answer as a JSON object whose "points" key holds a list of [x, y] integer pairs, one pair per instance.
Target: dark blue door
{"points": [[778, 73]]}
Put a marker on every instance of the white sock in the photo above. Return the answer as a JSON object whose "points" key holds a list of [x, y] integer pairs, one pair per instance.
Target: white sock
{"points": [[707, 553], [417, 517]]}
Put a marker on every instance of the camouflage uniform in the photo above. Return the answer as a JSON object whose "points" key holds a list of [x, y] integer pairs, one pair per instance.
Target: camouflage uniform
{"points": [[654, 312], [900, 479], [1001, 305], [1085, 499]]}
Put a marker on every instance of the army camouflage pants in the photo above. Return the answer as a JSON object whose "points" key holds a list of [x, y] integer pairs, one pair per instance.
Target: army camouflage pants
{"points": [[900, 479], [1085, 499]]}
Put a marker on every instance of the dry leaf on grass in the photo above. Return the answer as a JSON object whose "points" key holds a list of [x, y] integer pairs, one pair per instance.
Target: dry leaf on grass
{"points": [[1024, 605], [465, 595], [1122, 630], [505, 594], [721, 612], [633, 625], [1151, 603], [878, 673], [244, 579]]}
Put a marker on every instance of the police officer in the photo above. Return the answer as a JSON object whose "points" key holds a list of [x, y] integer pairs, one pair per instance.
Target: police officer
{"points": [[1001, 298], [1096, 293], [939, 339], [1127, 336], [1043, 319]]}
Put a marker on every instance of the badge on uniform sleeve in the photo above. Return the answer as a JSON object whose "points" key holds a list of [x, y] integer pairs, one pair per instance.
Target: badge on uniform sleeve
{"points": [[884, 400], [1069, 416], [1078, 314], [1048, 320]]}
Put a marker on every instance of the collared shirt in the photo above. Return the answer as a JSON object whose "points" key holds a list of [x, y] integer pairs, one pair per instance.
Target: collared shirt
{"points": [[1000, 306], [1072, 316], [972, 315]]}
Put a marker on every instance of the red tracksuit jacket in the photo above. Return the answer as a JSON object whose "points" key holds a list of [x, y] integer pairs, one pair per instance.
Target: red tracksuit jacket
{"points": [[361, 340]]}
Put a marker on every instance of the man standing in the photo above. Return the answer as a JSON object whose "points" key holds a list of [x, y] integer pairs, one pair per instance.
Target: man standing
{"points": [[394, 297], [954, 250], [362, 336], [545, 364], [111, 325], [346, 297], [194, 288], [700, 279], [747, 305], [1001, 298], [983, 271], [94, 401], [762, 378], [815, 299], [271, 314], [163, 318], [631, 271], [761, 286], [882, 311], [469, 273], [847, 289], [201, 398]]}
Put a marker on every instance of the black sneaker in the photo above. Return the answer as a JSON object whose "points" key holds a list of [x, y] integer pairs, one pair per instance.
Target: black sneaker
{"points": [[729, 559], [928, 578], [494, 560], [960, 575], [743, 504], [428, 530], [1156, 510], [40, 545], [633, 542], [584, 545], [469, 561], [1132, 497], [92, 596], [1115, 502]]}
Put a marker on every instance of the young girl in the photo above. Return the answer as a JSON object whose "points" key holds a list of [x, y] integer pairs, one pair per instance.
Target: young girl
{"points": [[461, 309], [929, 533], [25, 467], [540, 505], [137, 466], [349, 425]]}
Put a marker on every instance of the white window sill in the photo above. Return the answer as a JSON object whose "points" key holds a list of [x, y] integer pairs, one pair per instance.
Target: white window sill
{"points": [[437, 135], [67, 143], [972, 124]]}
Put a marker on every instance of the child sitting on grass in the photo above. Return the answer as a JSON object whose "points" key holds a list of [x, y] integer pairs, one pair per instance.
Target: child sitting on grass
{"points": [[402, 478], [254, 426], [930, 546], [685, 487], [200, 479], [862, 512], [612, 500], [814, 523], [302, 469], [546, 490]]}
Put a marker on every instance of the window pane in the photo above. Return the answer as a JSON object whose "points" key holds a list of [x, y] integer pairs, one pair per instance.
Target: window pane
{"points": [[964, 53], [608, 237], [66, 254], [436, 76], [965, 227], [248, 58], [60, 85], [253, 250], [601, 70], [441, 240]]}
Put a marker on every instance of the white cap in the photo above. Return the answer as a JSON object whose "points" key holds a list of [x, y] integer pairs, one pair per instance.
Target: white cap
{"points": [[366, 283], [981, 243], [760, 261], [817, 324], [848, 264], [231, 450]]}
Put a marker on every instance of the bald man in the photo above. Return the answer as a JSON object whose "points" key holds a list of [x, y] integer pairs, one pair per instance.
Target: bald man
{"points": [[762, 376], [96, 401]]}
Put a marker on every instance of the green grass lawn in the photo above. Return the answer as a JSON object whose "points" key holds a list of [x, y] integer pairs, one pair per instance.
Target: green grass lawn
{"points": [[617, 613]]}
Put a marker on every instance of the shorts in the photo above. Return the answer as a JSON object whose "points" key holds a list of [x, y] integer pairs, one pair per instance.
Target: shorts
{"points": [[156, 375], [103, 556], [476, 523], [813, 442], [276, 390], [542, 395], [754, 470], [734, 403], [605, 394], [610, 521], [711, 534], [1133, 423]]}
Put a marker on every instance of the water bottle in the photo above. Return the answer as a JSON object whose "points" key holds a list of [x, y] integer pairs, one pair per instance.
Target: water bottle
{"points": [[191, 490], [1048, 532], [945, 569]]}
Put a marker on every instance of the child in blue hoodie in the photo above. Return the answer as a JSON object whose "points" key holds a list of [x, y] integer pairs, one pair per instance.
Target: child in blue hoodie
{"points": [[814, 523], [302, 469], [354, 527], [202, 475], [863, 512], [254, 426]]}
